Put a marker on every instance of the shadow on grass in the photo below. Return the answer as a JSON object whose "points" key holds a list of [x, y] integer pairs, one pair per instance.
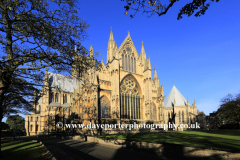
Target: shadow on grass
{"points": [[170, 149], [69, 149], [16, 144], [23, 152], [195, 140], [222, 132], [209, 142]]}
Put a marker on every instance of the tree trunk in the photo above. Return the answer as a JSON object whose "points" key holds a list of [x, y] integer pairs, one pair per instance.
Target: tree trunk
{"points": [[1, 135]]}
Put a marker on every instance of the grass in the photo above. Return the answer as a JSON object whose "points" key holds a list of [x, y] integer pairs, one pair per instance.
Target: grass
{"points": [[21, 150], [221, 140]]}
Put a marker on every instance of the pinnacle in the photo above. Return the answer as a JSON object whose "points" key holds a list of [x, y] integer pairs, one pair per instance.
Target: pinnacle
{"points": [[111, 35], [155, 72]]}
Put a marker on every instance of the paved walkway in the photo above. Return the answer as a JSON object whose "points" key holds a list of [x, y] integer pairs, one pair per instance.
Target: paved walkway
{"points": [[63, 149]]}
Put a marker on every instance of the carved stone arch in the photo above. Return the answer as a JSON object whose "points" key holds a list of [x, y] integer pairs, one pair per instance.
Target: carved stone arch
{"points": [[104, 107], [135, 80], [130, 94]]}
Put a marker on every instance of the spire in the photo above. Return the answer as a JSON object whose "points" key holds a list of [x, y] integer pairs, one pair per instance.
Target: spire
{"points": [[194, 102], [155, 73], [143, 54], [91, 51], [162, 90], [155, 78], [111, 47], [187, 101], [111, 35], [103, 65], [147, 64]]}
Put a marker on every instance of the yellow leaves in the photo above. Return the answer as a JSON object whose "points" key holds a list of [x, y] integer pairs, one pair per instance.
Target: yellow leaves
{"points": [[155, 2], [150, 2], [126, 12]]}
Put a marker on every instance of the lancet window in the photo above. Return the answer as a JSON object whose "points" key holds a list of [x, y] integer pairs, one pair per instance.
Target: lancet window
{"points": [[56, 97], [130, 99], [51, 97], [154, 111], [182, 116], [103, 110], [128, 60], [179, 116]]}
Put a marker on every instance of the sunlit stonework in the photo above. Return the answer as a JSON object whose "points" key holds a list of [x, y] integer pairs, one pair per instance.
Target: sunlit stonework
{"points": [[122, 91]]}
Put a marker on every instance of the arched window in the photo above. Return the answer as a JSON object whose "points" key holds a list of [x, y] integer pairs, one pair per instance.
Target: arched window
{"points": [[168, 116], [134, 65], [37, 118], [182, 116], [36, 128], [39, 108], [31, 119], [179, 116], [126, 64], [52, 97], [31, 128], [123, 61], [153, 113], [131, 64], [56, 97], [130, 98], [104, 107], [65, 98]]}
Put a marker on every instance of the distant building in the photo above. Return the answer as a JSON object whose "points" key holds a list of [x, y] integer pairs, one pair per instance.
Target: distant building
{"points": [[123, 90]]}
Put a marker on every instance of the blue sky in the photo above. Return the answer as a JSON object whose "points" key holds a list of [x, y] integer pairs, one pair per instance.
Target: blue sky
{"points": [[201, 55]]}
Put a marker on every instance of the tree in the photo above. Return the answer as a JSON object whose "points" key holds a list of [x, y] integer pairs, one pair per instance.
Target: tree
{"points": [[229, 110], [35, 35], [16, 122], [4, 126], [152, 7]]}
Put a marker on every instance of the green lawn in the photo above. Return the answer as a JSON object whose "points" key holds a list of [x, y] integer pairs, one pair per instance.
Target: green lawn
{"points": [[21, 150], [228, 140]]}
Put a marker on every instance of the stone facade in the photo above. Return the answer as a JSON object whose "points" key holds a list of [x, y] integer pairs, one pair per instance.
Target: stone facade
{"points": [[121, 92]]}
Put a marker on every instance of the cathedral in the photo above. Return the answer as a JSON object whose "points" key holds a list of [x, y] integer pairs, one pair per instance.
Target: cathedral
{"points": [[122, 91]]}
